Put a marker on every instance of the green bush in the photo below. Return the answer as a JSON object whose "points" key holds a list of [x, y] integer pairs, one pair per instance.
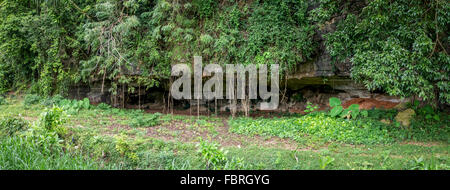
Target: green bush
{"points": [[31, 99], [325, 161], [49, 129], [354, 110], [335, 111], [390, 50], [53, 120], [126, 148], [12, 126], [205, 8], [424, 128]]}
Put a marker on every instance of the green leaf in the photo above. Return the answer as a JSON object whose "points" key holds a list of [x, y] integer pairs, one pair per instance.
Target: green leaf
{"points": [[334, 102], [336, 111], [365, 113], [436, 117], [344, 113], [355, 110]]}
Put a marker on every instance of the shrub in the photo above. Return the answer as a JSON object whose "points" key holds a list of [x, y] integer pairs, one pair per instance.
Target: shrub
{"points": [[353, 110], [12, 126], [214, 157], [52, 118], [204, 8], [126, 148], [388, 51], [48, 132], [31, 99]]}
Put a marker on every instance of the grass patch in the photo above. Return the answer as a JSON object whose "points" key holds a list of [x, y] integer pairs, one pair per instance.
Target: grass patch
{"points": [[18, 153]]}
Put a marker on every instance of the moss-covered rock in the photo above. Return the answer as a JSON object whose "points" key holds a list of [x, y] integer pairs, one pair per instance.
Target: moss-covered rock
{"points": [[405, 117]]}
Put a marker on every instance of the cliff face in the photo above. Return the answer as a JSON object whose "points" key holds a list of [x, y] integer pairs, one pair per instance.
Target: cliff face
{"points": [[316, 80]]}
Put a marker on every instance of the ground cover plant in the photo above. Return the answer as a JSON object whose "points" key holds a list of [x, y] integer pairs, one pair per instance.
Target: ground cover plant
{"points": [[107, 138]]}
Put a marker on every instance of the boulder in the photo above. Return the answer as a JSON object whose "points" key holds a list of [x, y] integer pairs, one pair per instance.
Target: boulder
{"points": [[401, 106], [405, 117]]}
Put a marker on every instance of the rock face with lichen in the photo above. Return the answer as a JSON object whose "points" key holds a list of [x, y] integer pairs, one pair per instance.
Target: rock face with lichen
{"points": [[405, 117]]}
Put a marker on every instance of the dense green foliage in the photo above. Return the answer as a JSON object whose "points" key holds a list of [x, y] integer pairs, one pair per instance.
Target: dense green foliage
{"points": [[398, 46], [47, 46], [317, 126], [355, 131]]}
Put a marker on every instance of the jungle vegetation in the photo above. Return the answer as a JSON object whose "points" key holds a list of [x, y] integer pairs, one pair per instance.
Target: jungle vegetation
{"points": [[400, 47], [48, 46]]}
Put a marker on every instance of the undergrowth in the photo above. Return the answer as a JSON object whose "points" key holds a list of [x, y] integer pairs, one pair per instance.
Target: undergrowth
{"points": [[326, 128]]}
